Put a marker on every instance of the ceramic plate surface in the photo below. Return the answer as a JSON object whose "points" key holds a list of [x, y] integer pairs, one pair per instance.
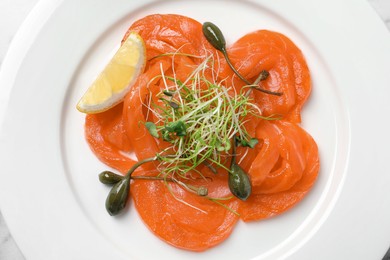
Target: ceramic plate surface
{"points": [[49, 193]]}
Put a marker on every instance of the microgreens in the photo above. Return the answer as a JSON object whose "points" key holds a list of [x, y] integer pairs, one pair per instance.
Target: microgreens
{"points": [[199, 117]]}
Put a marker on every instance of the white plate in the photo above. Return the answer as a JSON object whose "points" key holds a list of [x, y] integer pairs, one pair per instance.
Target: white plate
{"points": [[49, 193]]}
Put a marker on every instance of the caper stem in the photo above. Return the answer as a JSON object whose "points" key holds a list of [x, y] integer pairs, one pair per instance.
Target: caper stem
{"points": [[253, 85], [138, 164], [151, 178], [262, 76], [234, 148], [224, 52], [210, 166], [201, 191]]}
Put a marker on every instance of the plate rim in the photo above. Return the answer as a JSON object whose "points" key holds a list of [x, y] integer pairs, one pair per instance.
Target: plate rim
{"points": [[39, 9]]}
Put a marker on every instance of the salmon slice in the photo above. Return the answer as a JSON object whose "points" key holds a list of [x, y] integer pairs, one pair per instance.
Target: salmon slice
{"points": [[289, 74], [283, 188], [143, 143], [169, 34], [267, 153], [104, 133], [183, 219], [291, 159]]}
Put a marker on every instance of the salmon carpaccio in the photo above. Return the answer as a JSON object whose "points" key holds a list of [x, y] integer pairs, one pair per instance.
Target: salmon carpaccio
{"points": [[282, 167]]}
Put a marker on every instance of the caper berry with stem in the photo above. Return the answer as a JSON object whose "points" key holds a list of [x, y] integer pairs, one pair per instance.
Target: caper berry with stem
{"points": [[215, 37], [118, 195], [238, 180]]}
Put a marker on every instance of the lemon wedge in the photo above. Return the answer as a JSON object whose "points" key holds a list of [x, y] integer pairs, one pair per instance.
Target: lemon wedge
{"points": [[117, 78]]}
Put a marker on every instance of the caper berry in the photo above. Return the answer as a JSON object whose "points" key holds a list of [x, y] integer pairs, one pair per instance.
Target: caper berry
{"points": [[117, 198], [239, 183], [108, 177], [214, 36]]}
